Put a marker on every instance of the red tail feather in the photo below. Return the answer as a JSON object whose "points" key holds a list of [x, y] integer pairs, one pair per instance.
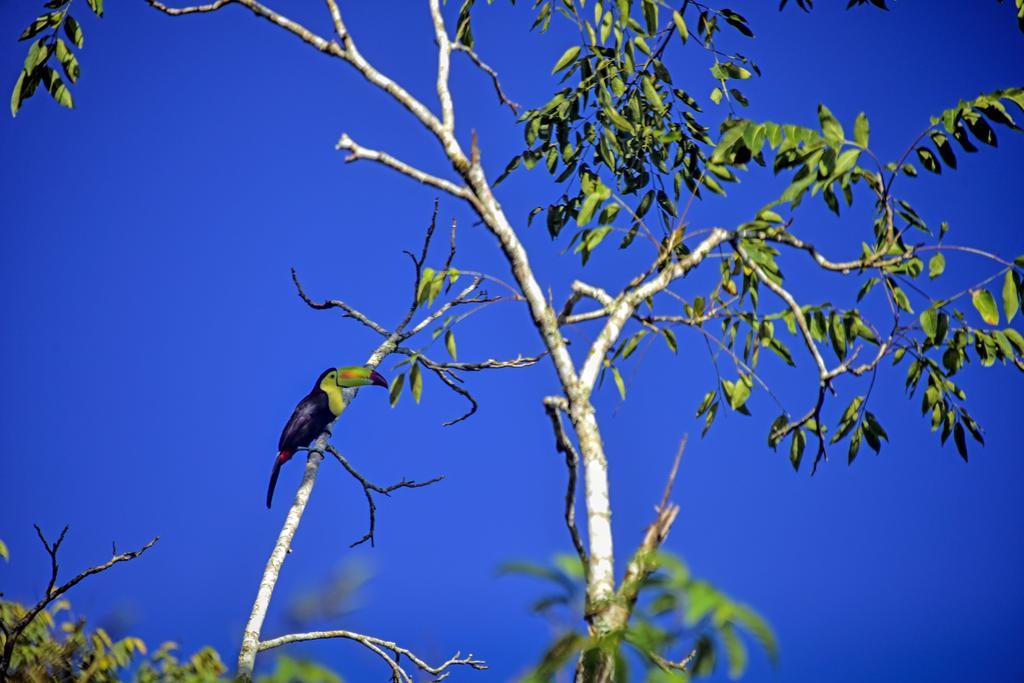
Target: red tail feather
{"points": [[282, 458]]}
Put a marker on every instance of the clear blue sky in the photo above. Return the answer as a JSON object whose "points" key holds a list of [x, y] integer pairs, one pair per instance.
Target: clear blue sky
{"points": [[153, 346]]}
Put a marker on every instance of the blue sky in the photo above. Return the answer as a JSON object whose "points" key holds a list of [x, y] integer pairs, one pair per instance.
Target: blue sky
{"points": [[153, 346]]}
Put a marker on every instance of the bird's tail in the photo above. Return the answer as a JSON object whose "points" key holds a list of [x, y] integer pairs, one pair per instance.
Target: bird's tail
{"points": [[282, 458]]}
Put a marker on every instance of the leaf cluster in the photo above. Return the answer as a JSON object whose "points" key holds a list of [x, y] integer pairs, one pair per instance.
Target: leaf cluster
{"points": [[50, 54], [677, 618]]}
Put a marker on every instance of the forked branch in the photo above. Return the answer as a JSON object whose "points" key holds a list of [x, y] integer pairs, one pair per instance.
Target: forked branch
{"points": [[369, 488], [387, 650]]}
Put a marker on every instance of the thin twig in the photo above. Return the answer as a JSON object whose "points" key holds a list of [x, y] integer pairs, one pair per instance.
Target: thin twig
{"points": [[349, 312], [502, 97]]}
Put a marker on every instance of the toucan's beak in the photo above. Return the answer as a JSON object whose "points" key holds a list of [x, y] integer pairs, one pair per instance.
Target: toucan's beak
{"points": [[377, 379]]}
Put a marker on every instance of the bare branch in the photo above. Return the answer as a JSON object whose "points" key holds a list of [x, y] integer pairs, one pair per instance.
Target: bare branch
{"points": [[369, 487], [198, 9], [320, 43], [489, 364], [337, 303], [358, 152], [643, 563], [502, 97], [339, 26], [555, 406], [444, 55]]}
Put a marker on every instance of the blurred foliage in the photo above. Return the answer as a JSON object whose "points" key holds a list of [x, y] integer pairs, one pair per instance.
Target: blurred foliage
{"points": [[58, 646], [678, 618], [337, 596]]}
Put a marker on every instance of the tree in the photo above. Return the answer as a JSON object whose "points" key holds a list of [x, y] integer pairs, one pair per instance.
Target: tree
{"points": [[629, 153]]}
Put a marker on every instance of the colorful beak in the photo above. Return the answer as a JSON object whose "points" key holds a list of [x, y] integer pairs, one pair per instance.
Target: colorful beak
{"points": [[377, 379]]}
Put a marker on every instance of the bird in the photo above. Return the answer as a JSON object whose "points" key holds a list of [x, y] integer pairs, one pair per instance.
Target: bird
{"points": [[317, 410]]}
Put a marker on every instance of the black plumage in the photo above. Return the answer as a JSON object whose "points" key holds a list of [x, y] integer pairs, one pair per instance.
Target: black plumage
{"points": [[310, 417]]}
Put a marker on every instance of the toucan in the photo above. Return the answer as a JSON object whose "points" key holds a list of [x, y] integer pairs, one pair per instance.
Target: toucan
{"points": [[317, 410]]}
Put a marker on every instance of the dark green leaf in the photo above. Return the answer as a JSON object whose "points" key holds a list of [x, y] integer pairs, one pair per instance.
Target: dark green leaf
{"points": [[416, 381], [395, 391], [74, 31]]}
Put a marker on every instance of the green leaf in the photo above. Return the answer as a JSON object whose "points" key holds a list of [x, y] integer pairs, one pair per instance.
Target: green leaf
{"points": [[861, 129], [735, 651], [619, 384], [1011, 304], [684, 32], [846, 161], [4, 552], [55, 86], [68, 61], [416, 382], [936, 265], [567, 58], [96, 6], [588, 208], [830, 126], [17, 94], [740, 393], [395, 390], [796, 449], [74, 31], [40, 24], [986, 305], [929, 322], [670, 339], [449, 343], [901, 299]]}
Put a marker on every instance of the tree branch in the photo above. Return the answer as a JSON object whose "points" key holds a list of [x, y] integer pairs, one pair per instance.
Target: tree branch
{"points": [[502, 97], [369, 487], [644, 562], [357, 152], [798, 314], [624, 305], [349, 312], [555, 406], [381, 647]]}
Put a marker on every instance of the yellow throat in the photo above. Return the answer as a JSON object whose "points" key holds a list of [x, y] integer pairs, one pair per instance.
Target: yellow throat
{"points": [[335, 398]]}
